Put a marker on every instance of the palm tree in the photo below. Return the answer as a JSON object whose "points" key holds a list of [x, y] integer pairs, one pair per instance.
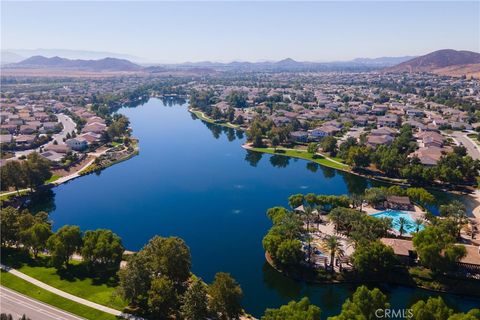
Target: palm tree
{"points": [[308, 214], [418, 223], [403, 224], [333, 245], [357, 201]]}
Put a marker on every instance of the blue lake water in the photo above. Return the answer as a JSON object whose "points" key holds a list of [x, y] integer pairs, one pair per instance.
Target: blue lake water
{"points": [[193, 180]]}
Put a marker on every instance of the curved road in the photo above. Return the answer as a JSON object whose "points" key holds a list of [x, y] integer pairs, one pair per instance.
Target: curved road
{"points": [[17, 304], [68, 126]]}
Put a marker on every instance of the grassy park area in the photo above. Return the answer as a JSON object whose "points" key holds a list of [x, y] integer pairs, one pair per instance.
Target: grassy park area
{"points": [[10, 281], [301, 154], [75, 280]]}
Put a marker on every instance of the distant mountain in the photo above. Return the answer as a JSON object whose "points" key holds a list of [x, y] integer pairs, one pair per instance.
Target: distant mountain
{"points": [[75, 54], [106, 64], [383, 61], [289, 64], [437, 60], [10, 57]]}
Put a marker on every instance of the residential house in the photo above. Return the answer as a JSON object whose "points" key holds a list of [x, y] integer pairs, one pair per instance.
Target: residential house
{"points": [[374, 140], [77, 144], [428, 156], [324, 131], [24, 140], [299, 136]]}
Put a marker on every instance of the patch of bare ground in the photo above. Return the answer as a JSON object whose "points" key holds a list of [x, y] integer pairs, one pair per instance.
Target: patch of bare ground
{"points": [[468, 70], [72, 169]]}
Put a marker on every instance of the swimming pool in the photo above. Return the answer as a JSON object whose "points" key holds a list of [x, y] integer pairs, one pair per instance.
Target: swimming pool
{"points": [[395, 215]]}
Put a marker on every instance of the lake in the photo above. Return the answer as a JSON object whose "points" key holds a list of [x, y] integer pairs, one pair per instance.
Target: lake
{"points": [[193, 180]]}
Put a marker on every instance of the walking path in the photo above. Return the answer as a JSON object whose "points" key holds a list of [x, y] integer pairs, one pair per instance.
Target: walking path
{"points": [[61, 293], [66, 178]]}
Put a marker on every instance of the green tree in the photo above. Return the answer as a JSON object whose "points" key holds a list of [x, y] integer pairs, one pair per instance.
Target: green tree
{"points": [[334, 247], [358, 157], [195, 301], [237, 99], [63, 244], [102, 249], [433, 309], [37, 170], [473, 314], [9, 225], [36, 237], [295, 200], [162, 297], [301, 310], [312, 148], [436, 248], [420, 196], [363, 304], [402, 225], [289, 252], [135, 280], [276, 214], [418, 223], [456, 212], [118, 128], [12, 175], [329, 144], [169, 257], [371, 257], [225, 296]]}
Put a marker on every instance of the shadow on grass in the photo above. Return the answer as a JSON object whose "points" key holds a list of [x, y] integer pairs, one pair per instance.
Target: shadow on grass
{"points": [[17, 258]]}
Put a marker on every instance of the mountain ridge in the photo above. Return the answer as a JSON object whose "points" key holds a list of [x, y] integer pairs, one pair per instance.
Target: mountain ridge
{"points": [[105, 64], [437, 60]]}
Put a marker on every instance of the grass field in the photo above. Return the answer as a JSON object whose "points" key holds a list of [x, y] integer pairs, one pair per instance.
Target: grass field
{"points": [[10, 281], [303, 155], [52, 179], [76, 280], [202, 116]]}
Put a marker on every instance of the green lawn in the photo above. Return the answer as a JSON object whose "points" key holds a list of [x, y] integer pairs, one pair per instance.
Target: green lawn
{"points": [[52, 179], [76, 280], [203, 117], [10, 281], [8, 196], [303, 155]]}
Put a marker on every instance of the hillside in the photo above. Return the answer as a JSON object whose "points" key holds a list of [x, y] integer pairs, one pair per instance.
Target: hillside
{"points": [[440, 60], [106, 64]]}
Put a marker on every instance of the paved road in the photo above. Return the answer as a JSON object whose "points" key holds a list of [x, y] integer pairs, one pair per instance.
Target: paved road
{"points": [[60, 292], [472, 147], [68, 126], [17, 304]]}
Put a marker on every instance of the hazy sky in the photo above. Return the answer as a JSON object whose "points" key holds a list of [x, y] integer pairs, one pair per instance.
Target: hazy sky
{"points": [[225, 31]]}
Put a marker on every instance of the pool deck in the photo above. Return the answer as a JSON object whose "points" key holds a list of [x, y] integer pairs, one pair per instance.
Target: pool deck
{"points": [[417, 214]]}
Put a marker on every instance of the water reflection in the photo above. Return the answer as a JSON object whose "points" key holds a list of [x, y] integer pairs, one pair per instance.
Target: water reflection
{"points": [[312, 166], [328, 173], [279, 161], [42, 200], [285, 287], [253, 157]]}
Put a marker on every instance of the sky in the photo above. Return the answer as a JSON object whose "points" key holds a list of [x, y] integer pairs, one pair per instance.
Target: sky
{"points": [[178, 31]]}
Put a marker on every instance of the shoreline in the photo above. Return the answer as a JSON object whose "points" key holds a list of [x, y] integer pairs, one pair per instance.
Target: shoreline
{"points": [[390, 281], [77, 174], [475, 213]]}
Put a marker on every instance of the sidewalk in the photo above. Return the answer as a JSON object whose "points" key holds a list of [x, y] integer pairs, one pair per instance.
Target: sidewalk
{"points": [[63, 293]]}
